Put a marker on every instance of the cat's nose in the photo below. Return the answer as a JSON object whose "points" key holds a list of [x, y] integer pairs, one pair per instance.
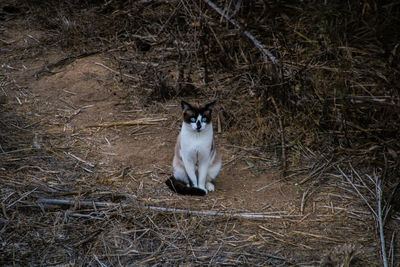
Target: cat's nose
{"points": [[198, 125]]}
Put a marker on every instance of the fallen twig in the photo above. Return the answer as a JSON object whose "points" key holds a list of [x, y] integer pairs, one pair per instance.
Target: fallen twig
{"points": [[358, 192], [244, 215], [391, 251], [79, 159], [116, 72], [22, 197], [64, 202], [282, 133], [68, 103], [268, 185], [317, 236], [266, 53], [380, 223], [221, 213], [144, 121], [378, 215]]}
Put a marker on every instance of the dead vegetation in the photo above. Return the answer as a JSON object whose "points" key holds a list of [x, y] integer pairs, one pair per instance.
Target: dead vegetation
{"points": [[327, 110]]}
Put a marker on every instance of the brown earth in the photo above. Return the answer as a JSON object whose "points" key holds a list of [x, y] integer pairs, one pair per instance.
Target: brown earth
{"points": [[134, 161], [148, 149]]}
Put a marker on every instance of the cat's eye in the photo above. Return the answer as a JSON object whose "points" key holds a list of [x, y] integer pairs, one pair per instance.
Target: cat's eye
{"points": [[204, 119], [193, 119]]}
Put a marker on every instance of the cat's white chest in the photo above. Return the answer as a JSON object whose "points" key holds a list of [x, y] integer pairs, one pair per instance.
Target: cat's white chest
{"points": [[195, 145]]}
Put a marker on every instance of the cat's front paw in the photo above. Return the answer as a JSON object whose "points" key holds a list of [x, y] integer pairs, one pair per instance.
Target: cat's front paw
{"points": [[210, 187], [202, 188]]}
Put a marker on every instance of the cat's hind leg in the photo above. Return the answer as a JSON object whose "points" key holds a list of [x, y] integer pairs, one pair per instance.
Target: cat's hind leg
{"points": [[212, 173], [180, 174]]}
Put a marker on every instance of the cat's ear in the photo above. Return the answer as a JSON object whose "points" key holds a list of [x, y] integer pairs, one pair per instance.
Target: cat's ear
{"points": [[185, 105], [210, 105]]}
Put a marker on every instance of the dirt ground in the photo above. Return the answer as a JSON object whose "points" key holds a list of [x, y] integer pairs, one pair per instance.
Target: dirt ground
{"points": [[67, 108], [145, 150]]}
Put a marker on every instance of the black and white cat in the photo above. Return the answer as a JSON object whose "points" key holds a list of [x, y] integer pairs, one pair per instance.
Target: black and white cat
{"points": [[196, 162]]}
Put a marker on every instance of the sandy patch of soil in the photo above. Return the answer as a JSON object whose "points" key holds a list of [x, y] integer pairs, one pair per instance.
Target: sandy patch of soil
{"points": [[84, 93]]}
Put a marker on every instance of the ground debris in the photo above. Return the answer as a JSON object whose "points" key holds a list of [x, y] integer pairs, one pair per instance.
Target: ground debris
{"points": [[310, 159]]}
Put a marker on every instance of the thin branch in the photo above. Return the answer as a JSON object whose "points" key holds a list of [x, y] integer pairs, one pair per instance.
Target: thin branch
{"points": [[358, 192], [221, 213], [79, 159], [68, 103], [22, 197], [380, 222], [116, 72], [278, 114], [261, 47], [144, 121], [391, 251], [89, 204], [244, 215]]}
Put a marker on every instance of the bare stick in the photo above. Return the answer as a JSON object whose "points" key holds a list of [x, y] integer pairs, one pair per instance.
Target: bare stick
{"points": [[317, 236], [358, 192], [265, 51], [67, 103], [86, 216], [64, 202], [278, 114], [79, 159], [303, 200], [98, 261], [391, 251], [221, 213], [116, 72], [144, 121], [265, 186], [380, 222], [245, 215], [22, 197], [219, 128]]}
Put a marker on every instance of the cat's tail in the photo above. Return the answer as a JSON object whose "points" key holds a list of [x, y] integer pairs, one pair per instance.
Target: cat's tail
{"points": [[180, 187]]}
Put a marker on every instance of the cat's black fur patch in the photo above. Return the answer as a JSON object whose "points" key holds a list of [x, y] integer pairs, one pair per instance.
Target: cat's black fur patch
{"points": [[190, 111], [180, 187]]}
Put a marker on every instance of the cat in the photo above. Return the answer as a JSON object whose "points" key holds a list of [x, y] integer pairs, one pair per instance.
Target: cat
{"points": [[196, 162]]}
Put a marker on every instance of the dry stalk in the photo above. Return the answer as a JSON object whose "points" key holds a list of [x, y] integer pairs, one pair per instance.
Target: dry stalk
{"points": [[219, 127], [358, 192], [22, 197], [25, 166], [79, 159], [317, 236], [377, 215], [143, 121], [282, 134], [116, 72], [391, 250], [266, 53], [91, 204], [380, 223], [68, 103]]}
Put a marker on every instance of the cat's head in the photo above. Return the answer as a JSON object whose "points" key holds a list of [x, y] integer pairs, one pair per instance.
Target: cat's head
{"points": [[197, 116]]}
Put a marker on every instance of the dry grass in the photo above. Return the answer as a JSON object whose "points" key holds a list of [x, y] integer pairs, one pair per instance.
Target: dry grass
{"points": [[331, 116]]}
